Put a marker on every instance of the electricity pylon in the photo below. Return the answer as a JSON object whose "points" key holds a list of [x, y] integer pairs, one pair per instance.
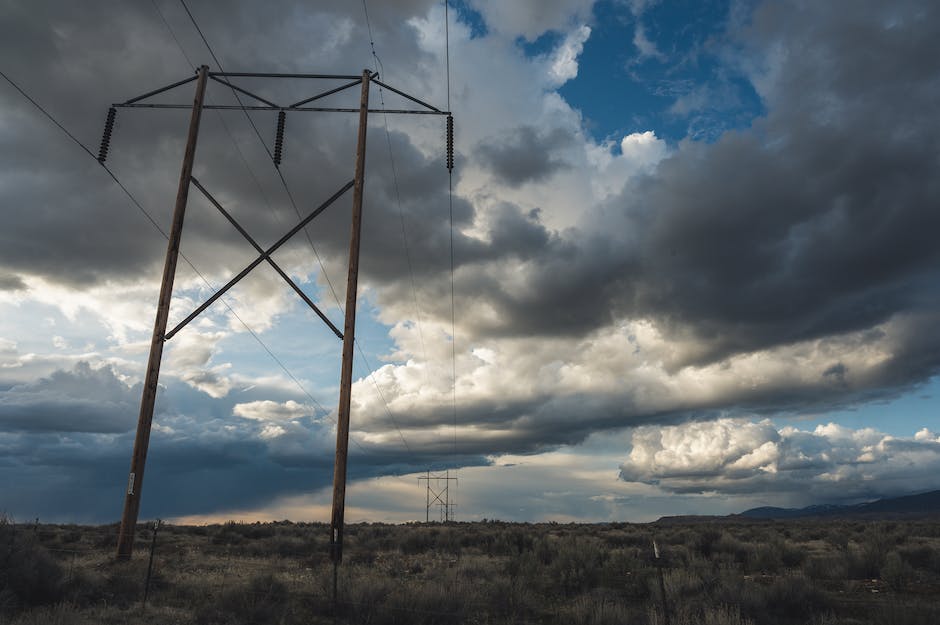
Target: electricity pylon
{"points": [[160, 335], [438, 495]]}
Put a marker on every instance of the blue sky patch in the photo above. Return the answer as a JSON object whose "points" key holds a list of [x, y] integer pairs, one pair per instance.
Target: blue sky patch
{"points": [[668, 77], [468, 15]]}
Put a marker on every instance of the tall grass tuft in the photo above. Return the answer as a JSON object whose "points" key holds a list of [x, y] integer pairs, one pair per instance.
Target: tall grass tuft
{"points": [[29, 576]]}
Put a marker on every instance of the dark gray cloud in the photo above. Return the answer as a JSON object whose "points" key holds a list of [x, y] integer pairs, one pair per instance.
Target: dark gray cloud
{"points": [[82, 400], [814, 222], [11, 283], [534, 422], [64, 208], [66, 441], [525, 155], [81, 479]]}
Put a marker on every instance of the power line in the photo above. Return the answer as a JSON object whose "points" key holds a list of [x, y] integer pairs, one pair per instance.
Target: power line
{"points": [[401, 212], [404, 233], [238, 150], [365, 10], [447, 49], [172, 34], [450, 202], [388, 410], [52, 119], [378, 65], [402, 221]]}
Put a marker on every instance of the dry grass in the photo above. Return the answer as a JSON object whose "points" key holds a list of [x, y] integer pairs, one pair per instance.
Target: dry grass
{"points": [[494, 573]]}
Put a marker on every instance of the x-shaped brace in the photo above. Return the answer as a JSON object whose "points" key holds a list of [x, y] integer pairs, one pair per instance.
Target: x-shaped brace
{"points": [[264, 255]]}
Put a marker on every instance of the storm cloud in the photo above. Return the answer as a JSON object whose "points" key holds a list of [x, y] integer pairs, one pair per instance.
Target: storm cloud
{"points": [[82, 400], [525, 156]]}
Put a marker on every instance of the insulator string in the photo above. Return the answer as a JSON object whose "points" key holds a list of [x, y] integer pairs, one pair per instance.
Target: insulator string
{"points": [[450, 143], [106, 135], [279, 138]]}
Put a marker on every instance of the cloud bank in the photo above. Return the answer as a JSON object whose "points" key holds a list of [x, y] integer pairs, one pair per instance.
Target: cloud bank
{"points": [[830, 463]]}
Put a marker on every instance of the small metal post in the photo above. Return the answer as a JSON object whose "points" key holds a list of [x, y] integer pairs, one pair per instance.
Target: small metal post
{"points": [[153, 548], [662, 583], [68, 577], [335, 594], [135, 480]]}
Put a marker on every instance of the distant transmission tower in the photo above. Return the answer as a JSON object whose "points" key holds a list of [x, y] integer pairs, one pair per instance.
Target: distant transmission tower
{"points": [[438, 494]]}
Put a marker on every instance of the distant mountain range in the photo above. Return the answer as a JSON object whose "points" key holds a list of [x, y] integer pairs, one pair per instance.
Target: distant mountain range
{"points": [[925, 504], [910, 506]]}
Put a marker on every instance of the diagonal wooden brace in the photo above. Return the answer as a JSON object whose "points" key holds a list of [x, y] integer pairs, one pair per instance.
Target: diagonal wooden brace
{"points": [[264, 255]]}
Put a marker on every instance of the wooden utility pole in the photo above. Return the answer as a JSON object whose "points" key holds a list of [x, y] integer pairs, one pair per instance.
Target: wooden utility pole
{"points": [[349, 336], [142, 441]]}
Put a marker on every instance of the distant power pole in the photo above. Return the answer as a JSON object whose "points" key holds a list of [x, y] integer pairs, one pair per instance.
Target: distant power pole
{"points": [[438, 495], [132, 495]]}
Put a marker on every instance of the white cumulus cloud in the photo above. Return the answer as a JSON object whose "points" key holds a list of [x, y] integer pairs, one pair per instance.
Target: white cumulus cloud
{"points": [[565, 59], [734, 456], [531, 18], [273, 411], [646, 47]]}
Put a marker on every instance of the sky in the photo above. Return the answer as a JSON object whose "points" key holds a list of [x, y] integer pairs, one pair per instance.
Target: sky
{"points": [[689, 264]]}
